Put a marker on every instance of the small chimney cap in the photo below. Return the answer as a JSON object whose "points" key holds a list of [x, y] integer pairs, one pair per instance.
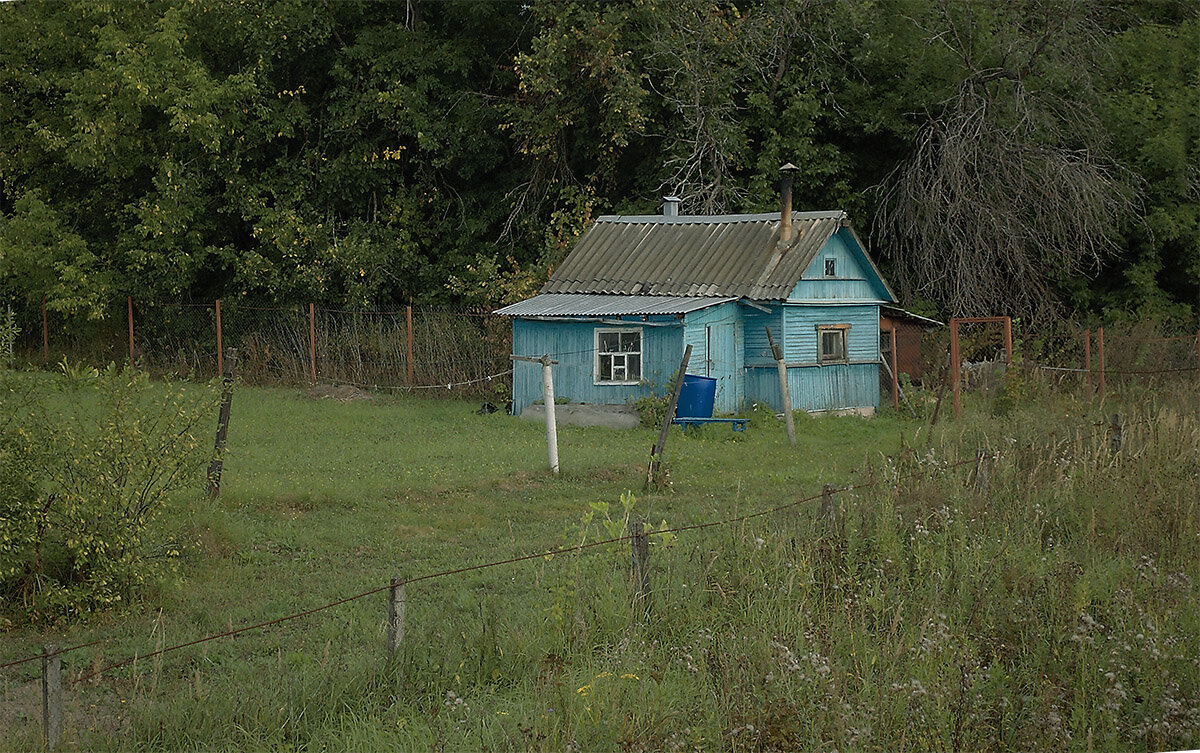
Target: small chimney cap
{"points": [[789, 168]]}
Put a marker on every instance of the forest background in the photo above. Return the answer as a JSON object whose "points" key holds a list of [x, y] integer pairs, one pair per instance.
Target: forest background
{"points": [[1040, 160]]}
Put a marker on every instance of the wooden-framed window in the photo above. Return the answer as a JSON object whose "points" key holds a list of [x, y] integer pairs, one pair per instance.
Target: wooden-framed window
{"points": [[618, 356], [831, 343], [831, 266]]}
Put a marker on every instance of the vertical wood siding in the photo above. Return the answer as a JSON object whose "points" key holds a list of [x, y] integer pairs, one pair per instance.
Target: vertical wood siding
{"points": [[715, 335]]}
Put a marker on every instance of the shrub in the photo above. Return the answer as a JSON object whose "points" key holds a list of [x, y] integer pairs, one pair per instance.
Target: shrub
{"points": [[82, 483]]}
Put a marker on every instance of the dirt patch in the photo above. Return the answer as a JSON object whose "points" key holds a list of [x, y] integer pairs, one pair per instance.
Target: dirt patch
{"points": [[343, 393]]}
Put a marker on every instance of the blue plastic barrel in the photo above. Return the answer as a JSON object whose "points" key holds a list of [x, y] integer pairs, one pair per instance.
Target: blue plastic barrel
{"points": [[696, 397]]}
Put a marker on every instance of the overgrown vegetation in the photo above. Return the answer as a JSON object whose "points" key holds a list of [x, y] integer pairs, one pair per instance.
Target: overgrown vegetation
{"points": [[1044, 598], [87, 460]]}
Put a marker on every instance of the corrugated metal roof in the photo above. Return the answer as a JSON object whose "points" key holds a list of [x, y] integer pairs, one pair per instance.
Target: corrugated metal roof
{"points": [[574, 304], [736, 256]]}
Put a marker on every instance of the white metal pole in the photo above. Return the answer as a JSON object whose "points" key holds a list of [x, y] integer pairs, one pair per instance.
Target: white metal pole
{"points": [[548, 401]]}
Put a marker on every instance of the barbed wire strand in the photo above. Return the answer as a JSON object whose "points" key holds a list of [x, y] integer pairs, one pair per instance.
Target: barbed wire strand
{"points": [[512, 560]]}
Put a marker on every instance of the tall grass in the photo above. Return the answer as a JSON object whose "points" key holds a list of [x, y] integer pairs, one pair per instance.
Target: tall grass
{"points": [[1047, 602]]}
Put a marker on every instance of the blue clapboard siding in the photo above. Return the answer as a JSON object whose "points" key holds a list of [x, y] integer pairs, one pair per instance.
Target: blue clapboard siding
{"points": [[715, 335], [817, 388], [758, 350], [800, 324], [572, 344], [855, 280]]}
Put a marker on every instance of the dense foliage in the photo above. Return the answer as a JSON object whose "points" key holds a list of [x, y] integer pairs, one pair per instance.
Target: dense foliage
{"points": [[359, 153], [85, 470]]}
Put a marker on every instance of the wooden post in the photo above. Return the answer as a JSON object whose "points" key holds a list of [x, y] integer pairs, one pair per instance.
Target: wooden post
{"points": [[312, 345], [52, 697], [408, 323], [45, 333], [784, 389], [218, 461], [660, 445], [639, 546], [1008, 346], [1100, 355], [397, 606], [220, 353], [955, 369], [548, 401], [129, 316], [1087, 361], [1116, 433], [895, 373], [827, 502], [1198, 354]]}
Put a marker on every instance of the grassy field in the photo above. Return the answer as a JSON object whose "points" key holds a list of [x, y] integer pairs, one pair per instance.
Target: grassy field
{"points": [[1049, 602]]}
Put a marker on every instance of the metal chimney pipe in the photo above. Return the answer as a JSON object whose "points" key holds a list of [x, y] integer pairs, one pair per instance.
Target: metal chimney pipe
{"points": [[787, 172], [670, 206]]}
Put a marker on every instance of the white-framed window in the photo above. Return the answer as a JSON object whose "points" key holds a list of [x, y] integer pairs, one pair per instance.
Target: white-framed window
{"points": [[831, 266], [618, 356], [831, 343]]}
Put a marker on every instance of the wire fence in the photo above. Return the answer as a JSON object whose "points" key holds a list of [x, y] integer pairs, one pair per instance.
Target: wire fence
{"points": [[462, 351], [1109, 431]]}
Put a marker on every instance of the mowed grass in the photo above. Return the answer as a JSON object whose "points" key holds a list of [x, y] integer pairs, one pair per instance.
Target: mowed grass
{"points": [[1050, 603]]}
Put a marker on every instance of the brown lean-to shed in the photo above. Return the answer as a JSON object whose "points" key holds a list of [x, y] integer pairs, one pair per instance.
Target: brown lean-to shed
{"points": [[908, 328]]}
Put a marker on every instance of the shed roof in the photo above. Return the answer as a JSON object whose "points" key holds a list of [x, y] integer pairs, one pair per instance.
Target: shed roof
{"points": [[736, 256], [571, 304]]}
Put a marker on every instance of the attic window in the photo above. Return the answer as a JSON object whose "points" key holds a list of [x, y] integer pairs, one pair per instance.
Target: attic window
{"points": [[618, 356], [831, 343], [831, 267]]}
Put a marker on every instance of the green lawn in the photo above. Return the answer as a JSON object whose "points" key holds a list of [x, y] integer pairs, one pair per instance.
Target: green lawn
{"points": [[1053, 606]]}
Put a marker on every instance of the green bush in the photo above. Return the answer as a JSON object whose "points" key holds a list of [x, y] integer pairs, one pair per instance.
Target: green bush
{"points": [[85, 470]]}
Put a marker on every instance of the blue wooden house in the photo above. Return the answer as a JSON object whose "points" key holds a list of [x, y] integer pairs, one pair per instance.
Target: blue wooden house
{"points": [[635, 290]]}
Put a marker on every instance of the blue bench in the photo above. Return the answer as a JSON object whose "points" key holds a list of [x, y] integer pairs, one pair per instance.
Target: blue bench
{"points": [[737, 424]]}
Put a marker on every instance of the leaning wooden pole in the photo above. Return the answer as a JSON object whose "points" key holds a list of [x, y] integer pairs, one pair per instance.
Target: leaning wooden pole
{"points": [[656, 454], [1100, 356]]}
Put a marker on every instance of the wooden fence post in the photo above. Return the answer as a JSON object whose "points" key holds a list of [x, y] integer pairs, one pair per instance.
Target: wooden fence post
{"points": [[312, 345], [828, 502], [45, 333], [1116, 433], [52, 697], [1100, 355], [129, 316], [218, 461], [409, 324], [639, 546], [397, 607], [895, 372], [220, 353], [1087, 361], [955, 369], [784, 388], [659, 446]]}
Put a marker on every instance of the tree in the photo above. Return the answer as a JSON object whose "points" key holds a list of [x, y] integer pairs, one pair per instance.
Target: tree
{"points": [[1009, 190]]}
